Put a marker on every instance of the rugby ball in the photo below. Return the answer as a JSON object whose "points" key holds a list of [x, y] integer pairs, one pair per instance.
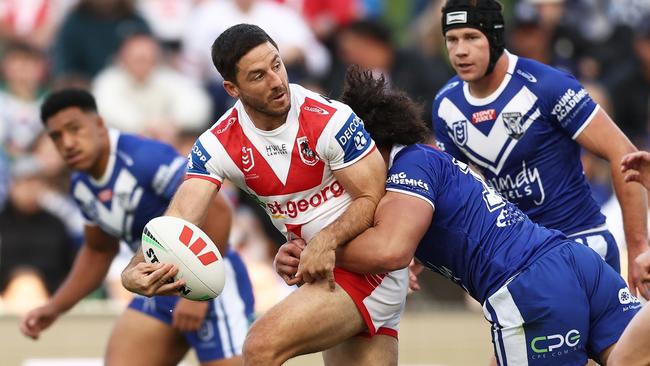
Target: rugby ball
{"points": [[168, 239]]}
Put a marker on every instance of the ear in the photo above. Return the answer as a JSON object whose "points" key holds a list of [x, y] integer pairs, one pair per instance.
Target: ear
{"points": [[231, 89]]}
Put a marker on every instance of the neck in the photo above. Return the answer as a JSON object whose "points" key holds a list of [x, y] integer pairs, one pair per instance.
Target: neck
{"points": [[23, 92], [99, 168], [264, 121], [488, 84]]}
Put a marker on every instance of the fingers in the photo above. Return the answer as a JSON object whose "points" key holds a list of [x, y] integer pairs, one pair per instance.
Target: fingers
{"points": [[634, 159], [330, 280], [28, 327]]}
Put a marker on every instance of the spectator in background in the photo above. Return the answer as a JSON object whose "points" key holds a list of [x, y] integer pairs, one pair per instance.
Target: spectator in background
{"points": [[23, 68], [139, 94], [91, 34], [528, 37], [168, 20], [631, 90], [302, 53], [31, 236], [33, 22], [368, 43]]}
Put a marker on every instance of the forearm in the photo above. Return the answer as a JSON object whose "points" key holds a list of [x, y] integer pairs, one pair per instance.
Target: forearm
{"points": [[190, 204], [363, 254], [87, 274], [356, 218], [632, 199]]}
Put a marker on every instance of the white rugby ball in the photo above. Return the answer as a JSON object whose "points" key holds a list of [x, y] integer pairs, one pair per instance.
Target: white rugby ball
{"points": [[168, 239]]}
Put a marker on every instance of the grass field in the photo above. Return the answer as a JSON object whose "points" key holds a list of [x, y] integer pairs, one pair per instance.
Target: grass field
{"points": [[439, 337]]}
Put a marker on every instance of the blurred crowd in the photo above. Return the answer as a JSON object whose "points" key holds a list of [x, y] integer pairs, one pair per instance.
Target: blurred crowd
{"points": [[148, 64]]}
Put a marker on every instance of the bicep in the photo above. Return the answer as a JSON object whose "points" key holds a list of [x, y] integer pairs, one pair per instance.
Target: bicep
{"points": [[604, 139], [365, 177]]}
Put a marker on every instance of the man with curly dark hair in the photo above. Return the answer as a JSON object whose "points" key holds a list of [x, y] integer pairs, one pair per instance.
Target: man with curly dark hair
{"points": [[443, 213]]}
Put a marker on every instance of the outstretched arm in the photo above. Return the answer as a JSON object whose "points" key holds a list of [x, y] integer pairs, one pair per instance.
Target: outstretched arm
{"points": [[604, 139]]}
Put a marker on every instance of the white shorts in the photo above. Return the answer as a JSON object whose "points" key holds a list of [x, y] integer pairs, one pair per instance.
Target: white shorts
{"points": [[380, 298]]}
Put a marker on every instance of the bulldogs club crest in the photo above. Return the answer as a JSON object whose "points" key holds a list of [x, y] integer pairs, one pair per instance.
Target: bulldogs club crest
{"points": [[307, 155], [512, 121], [460, 132], [247, 160]]}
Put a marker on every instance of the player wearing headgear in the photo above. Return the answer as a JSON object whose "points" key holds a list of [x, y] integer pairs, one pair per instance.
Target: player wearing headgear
{"points": [[523, 123], [122, 181], [550, 301]]}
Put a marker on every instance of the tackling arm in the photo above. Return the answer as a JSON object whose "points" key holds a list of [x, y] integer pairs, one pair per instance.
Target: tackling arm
{"points": [[400, 224], [604, 139]]}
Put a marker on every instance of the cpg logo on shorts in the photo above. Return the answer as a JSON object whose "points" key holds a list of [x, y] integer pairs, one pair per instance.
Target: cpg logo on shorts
{"points": [[555, 345]]}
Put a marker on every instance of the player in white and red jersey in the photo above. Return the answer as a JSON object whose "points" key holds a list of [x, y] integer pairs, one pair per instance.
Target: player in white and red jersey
{"points": [[311, 164]]}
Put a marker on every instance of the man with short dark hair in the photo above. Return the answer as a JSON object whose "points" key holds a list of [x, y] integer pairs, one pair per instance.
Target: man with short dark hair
{"points": [[310, 163], [122, 181]]}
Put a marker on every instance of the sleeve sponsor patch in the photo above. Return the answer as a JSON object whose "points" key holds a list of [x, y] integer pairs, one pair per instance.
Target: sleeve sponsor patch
{"points": [[197, 159], [569, 104], [353, 138]]}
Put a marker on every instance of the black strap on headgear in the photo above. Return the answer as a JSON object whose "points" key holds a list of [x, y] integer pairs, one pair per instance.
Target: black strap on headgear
{"points": [[484, 15]]}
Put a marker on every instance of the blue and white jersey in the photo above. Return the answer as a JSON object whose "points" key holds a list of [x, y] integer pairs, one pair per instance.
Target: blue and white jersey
{"points": [[476, 238], [522, 138], [138, 184]]}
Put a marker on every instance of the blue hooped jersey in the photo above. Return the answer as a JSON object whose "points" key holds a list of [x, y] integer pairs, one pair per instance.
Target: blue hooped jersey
{"points": [[138, 184], [476, 238], [522, 139]]}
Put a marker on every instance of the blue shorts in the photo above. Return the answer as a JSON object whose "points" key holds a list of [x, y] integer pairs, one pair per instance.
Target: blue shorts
{"points": [[229, 316], [603, 242], [564, 308]]}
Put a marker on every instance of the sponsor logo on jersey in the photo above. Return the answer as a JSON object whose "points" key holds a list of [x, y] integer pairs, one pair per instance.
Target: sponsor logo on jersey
{"points": [[567, 102], [483, 116], [198, 158], [402, 179], [512, 121], [456, 17], [459, 129], [446, 88], [555, 345], [441, 146], [315, 109], [527, 76], [526, 183], [247, 160], [307, 155], [350, 132], [273, 150], [227, 125], [126, 158], [105, 195], [291, 208]]}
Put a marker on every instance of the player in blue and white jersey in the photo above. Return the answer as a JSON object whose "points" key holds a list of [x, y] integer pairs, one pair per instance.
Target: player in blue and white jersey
{"points": [[550, 300], [122, 181], [523, 123]]}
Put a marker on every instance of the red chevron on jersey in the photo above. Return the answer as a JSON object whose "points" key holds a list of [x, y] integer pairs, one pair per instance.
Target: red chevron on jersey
{"points": [[306, 169]]}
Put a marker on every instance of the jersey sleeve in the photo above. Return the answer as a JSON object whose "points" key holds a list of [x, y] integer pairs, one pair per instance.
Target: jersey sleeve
{"points": [[567, 103], [347, 143], [201, 163], [412, 174], [443, 141]]}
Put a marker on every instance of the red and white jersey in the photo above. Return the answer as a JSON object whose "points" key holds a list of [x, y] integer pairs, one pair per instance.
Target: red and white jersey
{"points": [[288, 169]]}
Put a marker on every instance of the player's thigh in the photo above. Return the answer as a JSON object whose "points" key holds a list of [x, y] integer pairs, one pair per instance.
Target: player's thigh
{"points": [[633, 348], [140, 339], [380, 350], [310, 319]]}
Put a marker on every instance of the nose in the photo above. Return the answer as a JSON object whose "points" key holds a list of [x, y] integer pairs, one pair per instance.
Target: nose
{"points": [[461, 48], [275, 80], [67, 141]]}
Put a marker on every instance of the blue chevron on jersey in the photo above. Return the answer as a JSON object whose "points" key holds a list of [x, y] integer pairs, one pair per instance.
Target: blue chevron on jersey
{"points": [[522, 139], [138, 184]]}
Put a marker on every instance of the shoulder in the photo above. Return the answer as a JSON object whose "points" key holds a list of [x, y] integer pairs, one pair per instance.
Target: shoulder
{"points": [[540, 77], [454, 85], [143, 151]]}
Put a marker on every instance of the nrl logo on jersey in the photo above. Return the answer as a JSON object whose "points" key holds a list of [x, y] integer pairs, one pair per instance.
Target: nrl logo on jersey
{"points": [[247, 160], [459, 129], [307, 155], [512, 121]]}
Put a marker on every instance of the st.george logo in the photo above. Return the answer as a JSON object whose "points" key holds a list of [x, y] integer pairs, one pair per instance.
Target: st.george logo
{"points": [[197, 246]]}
